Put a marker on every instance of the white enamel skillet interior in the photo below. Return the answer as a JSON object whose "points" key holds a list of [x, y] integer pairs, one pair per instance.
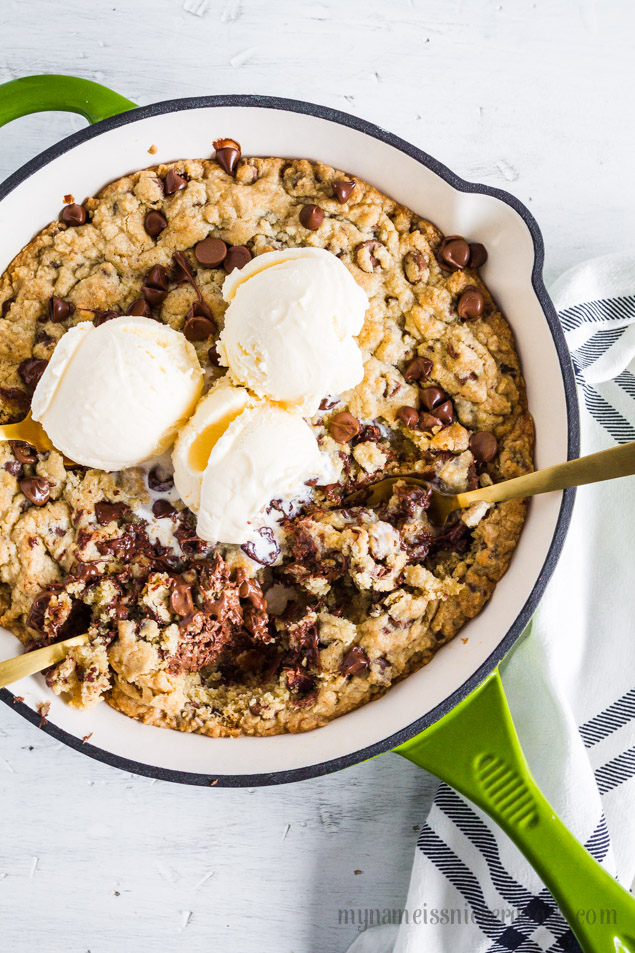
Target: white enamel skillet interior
{"points": [[81, 165]]}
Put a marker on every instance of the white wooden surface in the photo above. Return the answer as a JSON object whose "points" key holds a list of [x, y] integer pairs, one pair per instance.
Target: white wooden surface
{"points": [[529, 95]]}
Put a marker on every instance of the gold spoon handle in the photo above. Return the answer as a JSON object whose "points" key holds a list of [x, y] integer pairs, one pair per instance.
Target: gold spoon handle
{"points": [[31, 662], [28, 430], [12, 431], [597, 467]]}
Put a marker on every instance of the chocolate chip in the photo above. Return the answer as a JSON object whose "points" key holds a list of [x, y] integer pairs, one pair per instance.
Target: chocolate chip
{"points": [[471, 303], [444, 412], [174, 183], [311, 216], [23, 451], [154, 296], [191, 544], [14, 395], [213, 356], [265, 558], [201, 310], [432, 396], [73, 215], [85, 572], [160, 479], [37, 612], [415, 267], [181, 601], [106, 512], [418, 369], [298, 681], [343, 189], [154, 223], [210, 252], [454, 253], [478, 255], [366, 258], [409, 416], [13, 467], [371, 433], [237, 257], [163, 508], [139, 308], [198, 326], [343, 427], [428, 421], [6, 306], [484, 446], [41, 337], [59, 310], [31, 371], [102, 316], [156, 285], [250, 589], [158, 277], [181, 269], [36, 489], [228, 152], [355, 661]]}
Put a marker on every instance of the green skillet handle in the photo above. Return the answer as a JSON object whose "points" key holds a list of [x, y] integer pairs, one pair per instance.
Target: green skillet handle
{"points": [[32, 94], [475, 749]]}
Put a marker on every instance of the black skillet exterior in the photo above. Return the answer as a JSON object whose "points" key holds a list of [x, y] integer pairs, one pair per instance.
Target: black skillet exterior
{"points": [[564, 517]]}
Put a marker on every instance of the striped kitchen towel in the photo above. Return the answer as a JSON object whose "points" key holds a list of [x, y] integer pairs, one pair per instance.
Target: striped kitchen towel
{"points": [[570, 683]]}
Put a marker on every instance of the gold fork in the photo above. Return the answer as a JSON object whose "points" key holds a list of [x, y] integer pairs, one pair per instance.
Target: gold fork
{"points": [[597, 467]]}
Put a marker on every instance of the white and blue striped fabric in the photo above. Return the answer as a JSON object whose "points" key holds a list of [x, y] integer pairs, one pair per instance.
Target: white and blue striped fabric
{"points": [[570, 683]]}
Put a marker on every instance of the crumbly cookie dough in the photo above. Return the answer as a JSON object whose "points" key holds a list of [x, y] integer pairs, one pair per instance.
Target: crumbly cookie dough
{"points": [[348, 600]]}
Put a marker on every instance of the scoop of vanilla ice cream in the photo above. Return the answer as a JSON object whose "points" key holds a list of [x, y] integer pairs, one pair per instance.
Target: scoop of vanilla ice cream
{"points": [[115, 395], [290, 326], [196, 441], [235, 455]]}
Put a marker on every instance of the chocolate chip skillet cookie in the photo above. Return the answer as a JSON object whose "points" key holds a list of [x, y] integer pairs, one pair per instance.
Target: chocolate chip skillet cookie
{"points": [[341, 601]]}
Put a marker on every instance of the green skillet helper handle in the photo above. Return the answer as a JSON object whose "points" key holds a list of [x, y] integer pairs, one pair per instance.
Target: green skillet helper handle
{"points": [[475, 749], [32, 94]]}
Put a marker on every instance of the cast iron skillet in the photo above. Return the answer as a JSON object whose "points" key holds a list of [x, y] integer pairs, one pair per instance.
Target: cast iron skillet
{"points": [[470, 741]]}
